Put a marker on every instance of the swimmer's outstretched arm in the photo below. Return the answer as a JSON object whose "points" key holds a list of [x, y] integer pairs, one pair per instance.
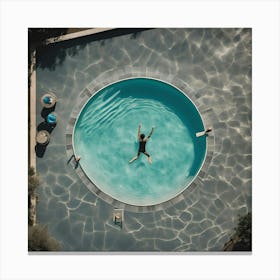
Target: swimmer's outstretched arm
{"points": [[150, 134], [138, 134]]}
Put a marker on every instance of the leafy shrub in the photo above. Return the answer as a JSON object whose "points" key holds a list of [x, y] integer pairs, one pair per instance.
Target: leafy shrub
{"points": [[33, 181], [39, 35], [244, 233], [39, 239], [241, 239]]}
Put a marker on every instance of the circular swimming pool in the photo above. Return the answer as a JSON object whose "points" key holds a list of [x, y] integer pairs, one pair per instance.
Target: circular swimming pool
{"points": [[105, 136]]}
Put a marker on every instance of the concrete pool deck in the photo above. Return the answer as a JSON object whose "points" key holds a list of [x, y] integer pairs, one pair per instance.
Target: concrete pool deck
{"points": [[214, 65]]}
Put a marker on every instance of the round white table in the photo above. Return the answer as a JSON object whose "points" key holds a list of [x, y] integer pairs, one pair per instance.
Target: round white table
{"points": [[43, 137]]}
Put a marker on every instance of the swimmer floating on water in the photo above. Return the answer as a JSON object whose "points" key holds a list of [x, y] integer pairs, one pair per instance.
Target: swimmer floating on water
{"points": [[142, 145]]}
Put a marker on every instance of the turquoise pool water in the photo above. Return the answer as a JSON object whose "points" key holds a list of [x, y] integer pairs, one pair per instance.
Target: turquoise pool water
{"points": [[105, 136]]}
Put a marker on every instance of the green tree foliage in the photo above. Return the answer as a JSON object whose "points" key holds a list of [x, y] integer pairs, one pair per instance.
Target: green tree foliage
{"points": [[243, 231], [37, 41], [33, 181], [31, 171], [241, 239], [39, 239], [37, 36]]}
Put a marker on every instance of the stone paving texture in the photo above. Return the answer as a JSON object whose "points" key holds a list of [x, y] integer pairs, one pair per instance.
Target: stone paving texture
{"points": [[217, 66]]}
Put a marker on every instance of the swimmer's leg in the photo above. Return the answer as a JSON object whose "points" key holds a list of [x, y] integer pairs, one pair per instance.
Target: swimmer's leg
{"points": [[134, 158], [149, 157]]}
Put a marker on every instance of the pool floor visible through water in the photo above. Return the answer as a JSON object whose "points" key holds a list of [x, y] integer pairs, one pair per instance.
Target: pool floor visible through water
{"points": [[105, 136]]}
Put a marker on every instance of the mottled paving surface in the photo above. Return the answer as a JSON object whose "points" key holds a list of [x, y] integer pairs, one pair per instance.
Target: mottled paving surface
{"points": [[216, 64]]}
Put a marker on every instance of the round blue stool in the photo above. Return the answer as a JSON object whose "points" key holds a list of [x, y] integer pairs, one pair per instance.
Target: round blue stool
{"points": [[51, 118]]}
